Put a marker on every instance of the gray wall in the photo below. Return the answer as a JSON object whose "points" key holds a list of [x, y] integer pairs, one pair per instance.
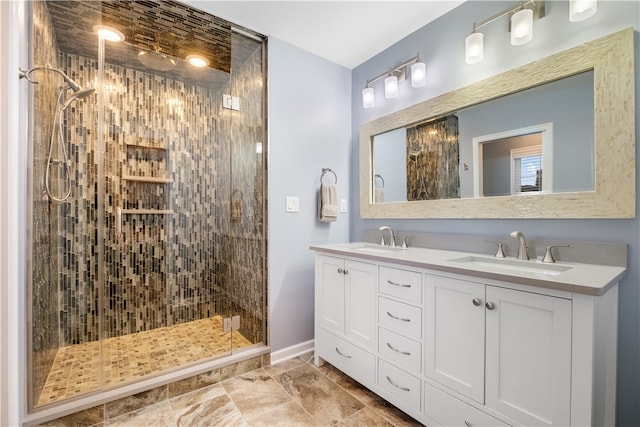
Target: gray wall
{"points": [[567, 103], [309, 123], [441, 44]]}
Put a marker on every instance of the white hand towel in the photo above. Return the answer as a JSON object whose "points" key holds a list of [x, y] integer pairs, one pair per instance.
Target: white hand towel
{"points": [[327, 203]]}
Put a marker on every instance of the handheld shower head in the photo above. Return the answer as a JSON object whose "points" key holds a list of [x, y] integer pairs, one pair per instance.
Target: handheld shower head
{"points": [[80, 93], [73, 85]]}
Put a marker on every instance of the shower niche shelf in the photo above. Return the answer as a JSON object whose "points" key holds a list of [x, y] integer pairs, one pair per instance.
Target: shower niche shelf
{"points": [[145, 176], [149, 179], [147, 212]]}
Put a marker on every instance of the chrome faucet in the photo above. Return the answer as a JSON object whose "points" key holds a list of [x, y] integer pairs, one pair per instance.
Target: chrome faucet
{"points": [[522, 249], [392, 236]]}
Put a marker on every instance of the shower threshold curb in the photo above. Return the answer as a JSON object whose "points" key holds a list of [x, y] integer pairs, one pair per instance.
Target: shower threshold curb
{"points": [[99, 398]]}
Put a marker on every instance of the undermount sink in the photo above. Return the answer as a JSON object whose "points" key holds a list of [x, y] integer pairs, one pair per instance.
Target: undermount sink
{"points": [[378, 248], [513, 265]]}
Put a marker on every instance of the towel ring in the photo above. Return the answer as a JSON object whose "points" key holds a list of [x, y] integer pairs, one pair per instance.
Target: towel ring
{"points": [[379, 177], [326, 171]]}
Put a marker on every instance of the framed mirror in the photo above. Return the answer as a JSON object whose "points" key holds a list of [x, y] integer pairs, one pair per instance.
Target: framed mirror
{"points": [[552, 139]]}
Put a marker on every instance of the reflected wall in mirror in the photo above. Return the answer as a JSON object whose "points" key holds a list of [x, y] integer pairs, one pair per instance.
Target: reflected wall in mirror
{"points": [[437, 148], [581, 100]]}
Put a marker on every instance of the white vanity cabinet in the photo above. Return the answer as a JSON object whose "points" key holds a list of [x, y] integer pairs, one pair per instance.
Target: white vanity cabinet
{"points": [[450, 347], [345, 295], [519, 341]]}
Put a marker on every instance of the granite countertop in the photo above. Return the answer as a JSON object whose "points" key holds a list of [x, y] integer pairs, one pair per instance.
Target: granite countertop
{"points": [[590, 279]]}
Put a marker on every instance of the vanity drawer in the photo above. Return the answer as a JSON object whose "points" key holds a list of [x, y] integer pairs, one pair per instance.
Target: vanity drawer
{"points": [[359, 364], [403, 386], [400, 317], [446, 410], [405, 284], [405, 352]]}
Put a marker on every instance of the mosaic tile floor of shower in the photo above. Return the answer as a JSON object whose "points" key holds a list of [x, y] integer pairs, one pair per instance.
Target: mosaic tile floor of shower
{"points": [[76, 368]]}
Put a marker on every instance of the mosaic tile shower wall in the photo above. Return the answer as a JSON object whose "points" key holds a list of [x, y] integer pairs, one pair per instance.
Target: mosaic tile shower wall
{"points": [[184, 173], [433, 160]]}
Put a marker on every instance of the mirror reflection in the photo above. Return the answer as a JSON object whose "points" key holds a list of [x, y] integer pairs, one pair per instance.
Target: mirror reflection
{"points": [[540, 140]]}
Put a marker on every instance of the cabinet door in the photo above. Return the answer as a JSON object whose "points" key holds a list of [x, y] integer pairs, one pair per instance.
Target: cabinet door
{"points": [[330, 293], [528, 356], [361, 283], [454, 335]]}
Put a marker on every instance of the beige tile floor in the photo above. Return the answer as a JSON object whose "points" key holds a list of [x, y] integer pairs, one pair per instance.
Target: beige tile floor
{"points": [[293, 393], [76, 368]]}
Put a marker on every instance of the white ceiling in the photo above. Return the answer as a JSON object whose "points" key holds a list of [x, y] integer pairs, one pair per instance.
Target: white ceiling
{"points": [[345, 32]]}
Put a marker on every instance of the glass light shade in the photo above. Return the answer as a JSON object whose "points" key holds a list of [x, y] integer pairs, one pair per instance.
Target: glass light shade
{"points": [[418, 74], [368, 98], [391, 87], [108, 33], [579, 10], [474, 48], [522, 27]]}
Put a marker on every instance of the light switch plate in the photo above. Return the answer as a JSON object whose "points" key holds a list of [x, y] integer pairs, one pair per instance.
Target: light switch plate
{"points": [[235, 103], [227, 101], [343, 205], [292, 204]]}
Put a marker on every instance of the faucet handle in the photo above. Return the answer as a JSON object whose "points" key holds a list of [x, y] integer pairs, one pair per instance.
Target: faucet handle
{"points": [[500, 251], [405, 243], [381, 239], [548, 255]]}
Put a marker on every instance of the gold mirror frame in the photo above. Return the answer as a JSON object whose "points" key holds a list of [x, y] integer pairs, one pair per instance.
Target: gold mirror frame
{"points": [[612, 60]]}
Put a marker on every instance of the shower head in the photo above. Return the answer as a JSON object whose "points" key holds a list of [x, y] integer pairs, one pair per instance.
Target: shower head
{"points": [[73, 85], [77, 94]]}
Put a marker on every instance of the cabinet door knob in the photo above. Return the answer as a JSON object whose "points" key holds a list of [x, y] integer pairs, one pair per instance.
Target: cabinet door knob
{"points": [[490, 306], [477, 302], [339, 271], [345, 271]]}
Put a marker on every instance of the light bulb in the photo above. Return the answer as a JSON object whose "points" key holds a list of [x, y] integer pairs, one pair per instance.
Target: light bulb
{"points": [[579, 10], [108, 33], [418, 74], [474, 48], [391, 87], [522, 27], [368, 98], [197, 61]]}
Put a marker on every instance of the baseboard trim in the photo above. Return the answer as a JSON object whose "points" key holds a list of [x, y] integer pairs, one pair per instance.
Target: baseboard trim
{"points": [[291, 351]]}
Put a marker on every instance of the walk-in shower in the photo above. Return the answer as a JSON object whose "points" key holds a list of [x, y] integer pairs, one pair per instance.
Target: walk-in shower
{"points": [[147, 204]]}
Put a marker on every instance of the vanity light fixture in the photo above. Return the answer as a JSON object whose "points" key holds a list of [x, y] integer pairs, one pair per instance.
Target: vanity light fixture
{"points": [[391, 79], [521, 28], [579, 10], [107, 33]]}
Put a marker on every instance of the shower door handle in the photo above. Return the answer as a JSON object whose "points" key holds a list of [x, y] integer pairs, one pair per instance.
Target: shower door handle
{"points": [[118, 221]]}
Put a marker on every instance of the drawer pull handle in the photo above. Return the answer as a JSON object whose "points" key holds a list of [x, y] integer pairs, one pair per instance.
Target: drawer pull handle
{"points": [[398, 318], [343, 355], [402, 285], [406, 353], [396, 385]]}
